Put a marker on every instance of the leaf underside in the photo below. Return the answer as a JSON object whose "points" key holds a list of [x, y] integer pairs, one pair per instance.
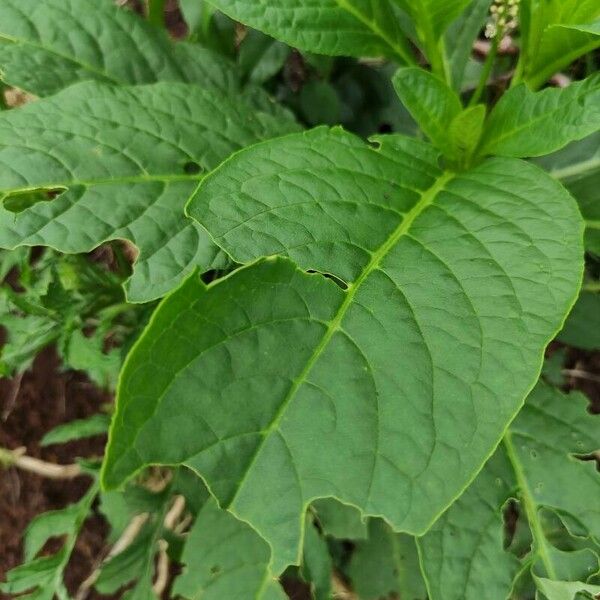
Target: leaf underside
{"points": [[274, 383], [129, 159]]}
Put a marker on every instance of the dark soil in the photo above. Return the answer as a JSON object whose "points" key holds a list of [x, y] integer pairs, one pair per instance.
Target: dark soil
{"points": [[47, 397]]}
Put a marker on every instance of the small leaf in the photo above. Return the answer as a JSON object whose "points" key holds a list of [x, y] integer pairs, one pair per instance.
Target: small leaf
{"points": [[537, 461], [77, 429], [486, 263], [527, 124], [465, 132], [433, 105], [129, 158]]}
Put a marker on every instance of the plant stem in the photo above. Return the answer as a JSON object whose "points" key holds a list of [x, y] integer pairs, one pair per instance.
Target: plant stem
{"points": [[531, 509], [156, 12], [488, 65], [592, 286], [16, 458]]}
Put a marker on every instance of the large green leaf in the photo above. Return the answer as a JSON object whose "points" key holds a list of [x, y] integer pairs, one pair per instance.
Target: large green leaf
{"points": [[578, 167], [525, 123], [582, 328], [278, 384], [50, 44], [333, 27], [124, 162], [463, 555], [225, 558], [557, 33]]}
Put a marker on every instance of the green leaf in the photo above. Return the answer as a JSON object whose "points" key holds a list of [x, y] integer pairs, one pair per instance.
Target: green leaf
{"points": [[47, 46], [260, 57], [77, 429], [129, 159], [225, 558], [460, 38], [566, 590], [332, 27], [524, 123], [578, 168], [463, 555], [317, 567], [386, 566], [44, 575], [339, 520], [582, 328], [559, 32], [433, 105], [433, 15], [86, 353], [486, 262]]}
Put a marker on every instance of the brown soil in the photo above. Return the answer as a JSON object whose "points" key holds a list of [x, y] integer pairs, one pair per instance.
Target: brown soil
{"points": [[47, 397]]}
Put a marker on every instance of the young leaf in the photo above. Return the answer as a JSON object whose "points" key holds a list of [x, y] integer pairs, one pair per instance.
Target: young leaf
{"points": [[433, 105], [486, 262], [43, 576], [225, 558], [578, 168], [77, 429], [129, 159], [526, 124], [386, 566], [558, 33], [537, 461], [332, 27]]}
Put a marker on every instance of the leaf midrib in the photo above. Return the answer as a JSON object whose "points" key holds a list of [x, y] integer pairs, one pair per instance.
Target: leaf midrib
{"points": [[374, 27], [530, 505], [335, 324]]}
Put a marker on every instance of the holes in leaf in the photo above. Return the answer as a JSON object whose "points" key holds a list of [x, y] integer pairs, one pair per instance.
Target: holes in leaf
{"points": [[192, 168], [17, 202], [336, 280]]}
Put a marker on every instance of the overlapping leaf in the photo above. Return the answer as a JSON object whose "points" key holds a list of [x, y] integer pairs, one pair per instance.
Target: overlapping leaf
{"points": [[388, 395], [225, 558], [46, 46], [386, 565], [557, 32], [578, 168], [527, 124], [334, 27], [122, 163], [463, 555]]}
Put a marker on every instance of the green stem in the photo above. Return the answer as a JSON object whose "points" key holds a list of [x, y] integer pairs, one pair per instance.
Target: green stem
{"points": [[531, 508], [488, 65], [156, 12]]}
